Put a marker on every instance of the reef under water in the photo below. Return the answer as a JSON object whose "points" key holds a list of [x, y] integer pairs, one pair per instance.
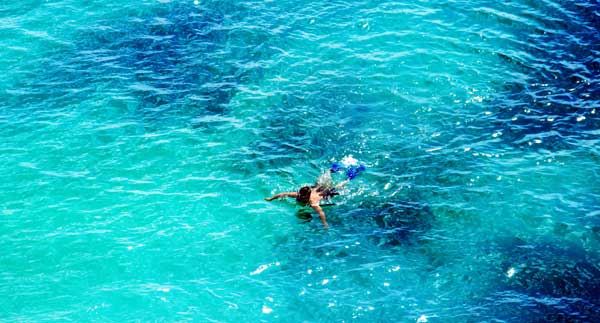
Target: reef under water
{"points": [[558, 280], [555, 103], [173, 61]]}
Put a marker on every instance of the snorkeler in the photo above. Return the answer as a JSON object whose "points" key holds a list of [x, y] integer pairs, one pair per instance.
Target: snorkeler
{"points": [[323, 190], [312, 196]]}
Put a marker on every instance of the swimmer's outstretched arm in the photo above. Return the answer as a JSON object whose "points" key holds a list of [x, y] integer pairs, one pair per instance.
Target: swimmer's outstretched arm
{"points": [[342, 183], [317, 208], [280, 195]]}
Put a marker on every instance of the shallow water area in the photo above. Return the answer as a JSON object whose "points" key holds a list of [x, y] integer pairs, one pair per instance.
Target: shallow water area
{"points": [[139, 139]]}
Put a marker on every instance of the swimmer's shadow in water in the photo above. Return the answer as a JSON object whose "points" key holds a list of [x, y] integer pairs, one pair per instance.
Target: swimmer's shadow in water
{"points": [[306, 214]]}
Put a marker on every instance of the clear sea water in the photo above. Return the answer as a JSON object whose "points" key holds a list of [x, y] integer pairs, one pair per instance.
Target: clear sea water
{"points": [[139, 138]]}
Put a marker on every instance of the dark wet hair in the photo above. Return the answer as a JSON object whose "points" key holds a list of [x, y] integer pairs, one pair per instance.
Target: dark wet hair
{"points": [[303, 194]]}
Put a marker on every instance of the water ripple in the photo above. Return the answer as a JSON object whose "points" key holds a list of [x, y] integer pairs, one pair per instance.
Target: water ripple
{"points": [[139, 140]]}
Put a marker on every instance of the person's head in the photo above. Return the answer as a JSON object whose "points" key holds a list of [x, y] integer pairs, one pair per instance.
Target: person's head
{"points": [[303, 194]]}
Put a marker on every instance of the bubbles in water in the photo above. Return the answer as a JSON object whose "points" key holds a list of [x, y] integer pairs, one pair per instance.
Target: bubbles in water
{"points": [[510, 272], [266, 309], [262, 268], [348, 161]]}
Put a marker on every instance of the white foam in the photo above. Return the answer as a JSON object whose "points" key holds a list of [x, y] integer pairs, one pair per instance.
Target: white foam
{"points": [[264, 267], [510, 272], [259, 270], [349, 161]]}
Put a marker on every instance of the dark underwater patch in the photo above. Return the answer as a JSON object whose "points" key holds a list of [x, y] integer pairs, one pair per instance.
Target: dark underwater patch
{"points": [[314, 124], [175, 61], [293, 128], [401, 222], [551, 282], [558, 105]]}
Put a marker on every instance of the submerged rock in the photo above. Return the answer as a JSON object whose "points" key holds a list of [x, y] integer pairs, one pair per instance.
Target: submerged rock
{"points": [[557, 105], [173, 60], [558, 283], [392, 222], [402, 222]]}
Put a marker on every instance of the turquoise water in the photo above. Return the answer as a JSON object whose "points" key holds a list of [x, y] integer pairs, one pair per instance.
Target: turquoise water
{"points": [[139, 139]]}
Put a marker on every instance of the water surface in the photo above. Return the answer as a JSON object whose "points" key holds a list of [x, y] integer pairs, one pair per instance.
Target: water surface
{"points": [[139, 139]]}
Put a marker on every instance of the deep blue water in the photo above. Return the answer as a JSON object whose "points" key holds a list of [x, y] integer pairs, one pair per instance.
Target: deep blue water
{"points": [[140, 138]]}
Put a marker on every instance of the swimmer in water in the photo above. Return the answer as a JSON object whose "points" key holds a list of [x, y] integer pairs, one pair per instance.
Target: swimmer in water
{"points": [[313, 195]]}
